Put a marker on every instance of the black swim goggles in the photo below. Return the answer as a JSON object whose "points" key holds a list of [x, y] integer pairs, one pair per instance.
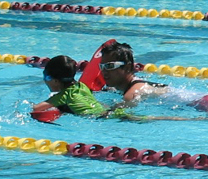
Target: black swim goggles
{"points": [[111, 65]]}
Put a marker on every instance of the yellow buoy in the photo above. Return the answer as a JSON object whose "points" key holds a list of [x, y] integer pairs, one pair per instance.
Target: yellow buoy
{"points": [[163, 70], [4, 5], [175, 14], [141, 12], [152, 13], [108, 10], [150, 68], [187, 14], [203, 73], [120, 11], [164, 13], [27, 144], [197, 15], [1, 140], [10, 142], [19, 59], [192, 72], [131, 12], [42, 145], [59, 147], [177, 71], [7, 58]]}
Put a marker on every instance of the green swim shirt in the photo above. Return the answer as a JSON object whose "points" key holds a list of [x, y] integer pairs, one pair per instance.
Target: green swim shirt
{"points": [[79, 100]]}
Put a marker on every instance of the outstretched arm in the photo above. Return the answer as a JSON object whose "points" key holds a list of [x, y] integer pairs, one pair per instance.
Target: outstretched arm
{"points": [[167, 118], [173, 118]]}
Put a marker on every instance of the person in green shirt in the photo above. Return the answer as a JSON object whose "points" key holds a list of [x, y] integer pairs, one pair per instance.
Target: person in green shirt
{"points": [[71, 96]]}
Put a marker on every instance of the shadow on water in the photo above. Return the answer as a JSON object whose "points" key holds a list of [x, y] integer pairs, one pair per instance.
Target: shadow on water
{"points": [[84, 24], [94, 28], [20, 81], [153, 57]]}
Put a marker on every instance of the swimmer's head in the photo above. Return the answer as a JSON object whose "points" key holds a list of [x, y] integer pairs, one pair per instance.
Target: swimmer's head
{"points": [[62, 68], [119, 52]]}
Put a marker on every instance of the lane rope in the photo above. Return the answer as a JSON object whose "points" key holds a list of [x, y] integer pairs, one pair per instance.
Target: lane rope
{"points": [[108, 10], [110, 153], [34, 61], [176, 71]]}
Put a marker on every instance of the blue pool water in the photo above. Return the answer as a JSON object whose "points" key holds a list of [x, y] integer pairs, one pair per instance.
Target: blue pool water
{"points": [[158, 41]]}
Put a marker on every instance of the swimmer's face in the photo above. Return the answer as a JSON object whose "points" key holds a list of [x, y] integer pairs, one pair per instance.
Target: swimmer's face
{"points": [[113, 70], [54, 85]]}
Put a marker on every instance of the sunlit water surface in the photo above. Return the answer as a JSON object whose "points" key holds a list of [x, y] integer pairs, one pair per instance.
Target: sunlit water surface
{"points": [[158, 41]]}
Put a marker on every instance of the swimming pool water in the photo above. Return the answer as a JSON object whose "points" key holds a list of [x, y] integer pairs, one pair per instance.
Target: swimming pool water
{"points": [[158, 41]]}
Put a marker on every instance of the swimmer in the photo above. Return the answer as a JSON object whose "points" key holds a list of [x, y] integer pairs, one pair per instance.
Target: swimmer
{"points": [[72, 96], [117, 66]]}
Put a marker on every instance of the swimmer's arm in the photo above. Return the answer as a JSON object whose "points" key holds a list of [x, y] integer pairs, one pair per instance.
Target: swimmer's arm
{"points": [[139, 91], [133, 94], [120, 113], [167, 118], [147, 118], [125, 104], [175, 118], [139, 118], [42, 106]]}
